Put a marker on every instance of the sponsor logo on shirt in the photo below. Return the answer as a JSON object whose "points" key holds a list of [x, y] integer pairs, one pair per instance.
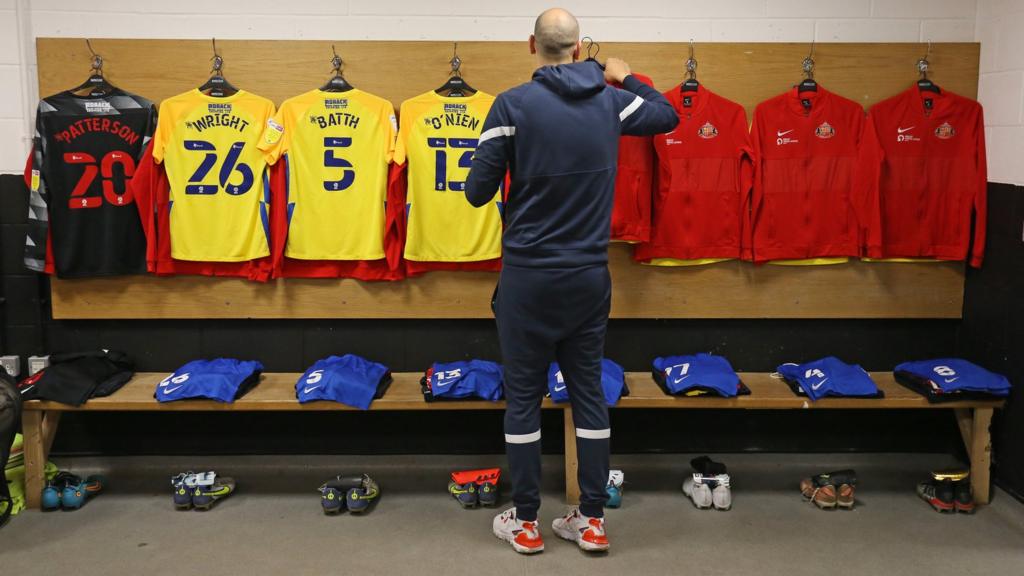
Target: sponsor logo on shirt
{"points": [[903, 136], [707, 131], [335, 103], [219, 108], [825, 131], [671, 141], [98, 107], [450, 107], [945, 131], [781, 138]]}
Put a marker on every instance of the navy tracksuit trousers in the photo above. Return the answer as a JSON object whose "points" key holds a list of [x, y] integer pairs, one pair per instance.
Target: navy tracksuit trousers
{"points": [[561, 314]]}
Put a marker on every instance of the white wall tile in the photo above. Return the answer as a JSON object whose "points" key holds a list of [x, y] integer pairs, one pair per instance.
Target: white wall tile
{"points": [[9, 38], [923, 8], [959, 30], [13, 146], [1003, 146], [996, 8], [659, 30], [762, 30], [987, 33], [868, 30], [1001, 93], [11, 105], [197, 8], [1010, 44], [819, 8]]}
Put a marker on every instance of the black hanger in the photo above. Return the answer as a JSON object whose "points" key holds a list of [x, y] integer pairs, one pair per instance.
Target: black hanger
{"points": [[924, 84], [96, 83], [808, 84], [217, 85], [456, 86], [691, 84], [337, 83]]}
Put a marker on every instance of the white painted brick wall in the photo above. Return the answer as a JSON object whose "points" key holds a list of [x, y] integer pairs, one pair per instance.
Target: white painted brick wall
{"points": [[1000, 29], [21, 21]]}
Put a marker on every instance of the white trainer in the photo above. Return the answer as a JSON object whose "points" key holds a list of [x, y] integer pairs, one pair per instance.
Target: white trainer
{"points": [[699, 492], [588, 533], [721, 495], [523, 536]]}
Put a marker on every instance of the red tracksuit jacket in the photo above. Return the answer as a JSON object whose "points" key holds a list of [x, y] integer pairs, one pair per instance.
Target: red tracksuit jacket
{"points": [[933, 175], [631, 211], [705, 170], [816, 161]]}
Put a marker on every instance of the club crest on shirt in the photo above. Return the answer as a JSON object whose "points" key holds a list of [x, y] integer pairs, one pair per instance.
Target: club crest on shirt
{"points": [[945, 131], [707, 131], [825, 131]]}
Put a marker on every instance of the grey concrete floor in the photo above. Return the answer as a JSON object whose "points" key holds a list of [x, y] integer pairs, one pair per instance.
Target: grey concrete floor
{"points": [[273, 524]]}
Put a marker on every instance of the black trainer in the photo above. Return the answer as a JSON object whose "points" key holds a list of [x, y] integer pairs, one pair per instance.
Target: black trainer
{"points": [[963, 500], [938, 494]]}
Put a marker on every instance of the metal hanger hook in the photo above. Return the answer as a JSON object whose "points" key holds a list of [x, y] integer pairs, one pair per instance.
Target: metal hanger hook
{"points": [[336, 61], [456, 62], [808, 63], [922, 64], [97, 60], [590, 46], [691, 64], [218, 62]]}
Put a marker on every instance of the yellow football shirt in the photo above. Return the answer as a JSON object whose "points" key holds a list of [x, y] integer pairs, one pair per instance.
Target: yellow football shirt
{"points": [[337, 147], [219, 202], [437, 137]]}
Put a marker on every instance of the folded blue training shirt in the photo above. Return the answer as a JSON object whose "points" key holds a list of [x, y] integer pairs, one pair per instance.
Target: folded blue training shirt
{"points": [[951, 375], [351, 380], [221, 379], [613, 382], [463, 379], [829, 376], [682, 374]]}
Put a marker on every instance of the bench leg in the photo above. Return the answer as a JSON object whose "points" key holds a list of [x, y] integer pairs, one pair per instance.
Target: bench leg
{"points": [[572, 485], [35, 456], [980, 450]]}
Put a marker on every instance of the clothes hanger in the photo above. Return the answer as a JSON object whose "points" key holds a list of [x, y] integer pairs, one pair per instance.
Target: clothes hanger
{"points": [[456, 86], [96, 83], [337, 83], [924, 84], [691, 84], [808, 84], [217, 86]]}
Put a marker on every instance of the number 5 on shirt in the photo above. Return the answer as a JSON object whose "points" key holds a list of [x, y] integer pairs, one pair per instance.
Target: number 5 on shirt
{"points": [[332, 161]]}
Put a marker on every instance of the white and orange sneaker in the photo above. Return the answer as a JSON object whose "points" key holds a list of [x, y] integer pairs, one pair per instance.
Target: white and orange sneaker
{"points": [[588, 533], [523, 536]]}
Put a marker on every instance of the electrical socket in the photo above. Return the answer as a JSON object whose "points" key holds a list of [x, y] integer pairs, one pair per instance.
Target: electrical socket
{"points": [[37, 363], [12, 364]]}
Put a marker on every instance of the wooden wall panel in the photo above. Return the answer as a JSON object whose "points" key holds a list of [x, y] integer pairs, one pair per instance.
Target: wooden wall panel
{"points": [[746, 73]]}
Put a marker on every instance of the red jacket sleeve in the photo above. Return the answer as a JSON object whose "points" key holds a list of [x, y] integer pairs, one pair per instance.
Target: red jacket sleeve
{"points": [[394, 220], [279, 211], [144, 184], [980, 197], [867, 202]]}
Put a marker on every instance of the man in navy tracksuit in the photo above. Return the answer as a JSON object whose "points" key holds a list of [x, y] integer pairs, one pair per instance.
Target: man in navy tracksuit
{"points": [[558, 136]]}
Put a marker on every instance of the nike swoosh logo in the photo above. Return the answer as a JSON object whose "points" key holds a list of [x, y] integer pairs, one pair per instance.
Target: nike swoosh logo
{"points": [[951, 380], [780, 133], [678, 380], [819, 384], [557, 389], [169, 390], [902, 130], [308, 390]]}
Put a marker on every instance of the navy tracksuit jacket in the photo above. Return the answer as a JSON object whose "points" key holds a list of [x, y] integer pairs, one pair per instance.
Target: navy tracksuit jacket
{"points": [[558, 136]]}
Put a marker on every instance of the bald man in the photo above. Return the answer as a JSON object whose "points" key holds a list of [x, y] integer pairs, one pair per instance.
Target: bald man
{"points": [[558, 136]]}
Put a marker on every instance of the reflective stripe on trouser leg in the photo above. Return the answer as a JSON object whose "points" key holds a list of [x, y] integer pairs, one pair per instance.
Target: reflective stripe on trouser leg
{"points": [[523, 438]]}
